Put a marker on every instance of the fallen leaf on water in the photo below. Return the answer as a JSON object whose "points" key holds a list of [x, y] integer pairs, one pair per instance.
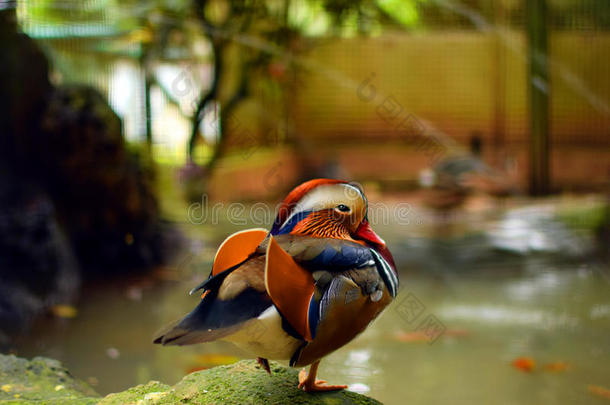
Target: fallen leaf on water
{"points": [[419, 336], [524, 363], [456, 333], [409, 337], [599, 391], [557, 366], [7, 388], [64, 311]]}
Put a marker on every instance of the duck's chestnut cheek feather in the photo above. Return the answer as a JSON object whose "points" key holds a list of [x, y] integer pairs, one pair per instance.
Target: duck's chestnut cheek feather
{"points": [[366, 233]]}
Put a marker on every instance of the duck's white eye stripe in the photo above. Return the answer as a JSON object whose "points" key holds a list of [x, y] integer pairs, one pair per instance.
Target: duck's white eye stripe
{"points": [[386, 272], [327, 196], [352, 192]]}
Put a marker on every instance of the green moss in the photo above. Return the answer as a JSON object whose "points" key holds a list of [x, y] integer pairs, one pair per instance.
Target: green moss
{"points": [[153, 392], [41, 380], [245, 383], [46, 381]]}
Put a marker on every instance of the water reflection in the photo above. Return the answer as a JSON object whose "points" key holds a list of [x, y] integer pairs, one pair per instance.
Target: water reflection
{"points": [[495, 306], [508, 316], [535, 229]]}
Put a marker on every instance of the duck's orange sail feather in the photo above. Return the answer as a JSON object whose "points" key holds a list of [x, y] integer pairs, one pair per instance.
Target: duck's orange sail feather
{"points": [[237, 248], [290, 287]]}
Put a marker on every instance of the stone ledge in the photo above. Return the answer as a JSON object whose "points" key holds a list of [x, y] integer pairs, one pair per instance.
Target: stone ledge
{"points": [[46, 381]]}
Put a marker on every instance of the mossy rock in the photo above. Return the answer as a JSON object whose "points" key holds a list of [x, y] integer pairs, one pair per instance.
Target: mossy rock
{"points": [[240, 383], [41, 381], [46, 381]]}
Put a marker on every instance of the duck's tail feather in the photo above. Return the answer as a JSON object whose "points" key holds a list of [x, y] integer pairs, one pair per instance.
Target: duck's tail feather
{"points": [[214, 319], [173, 334]]}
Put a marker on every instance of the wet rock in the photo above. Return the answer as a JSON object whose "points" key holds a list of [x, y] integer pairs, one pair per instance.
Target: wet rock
{"points": [[104, 191], [75, 200], [241, 383], [37, 265], [85, 206], [24, 90]]}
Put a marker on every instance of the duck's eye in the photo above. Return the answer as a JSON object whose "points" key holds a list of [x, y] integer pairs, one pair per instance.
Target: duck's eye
{"points": [[343, 208]]}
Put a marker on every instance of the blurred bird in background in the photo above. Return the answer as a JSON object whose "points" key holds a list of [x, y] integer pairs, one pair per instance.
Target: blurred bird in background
{"points": [[460, 175]]}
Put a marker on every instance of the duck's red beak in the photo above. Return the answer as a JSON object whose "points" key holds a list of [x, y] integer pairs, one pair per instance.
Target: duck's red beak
{"points": [[366, 233]]}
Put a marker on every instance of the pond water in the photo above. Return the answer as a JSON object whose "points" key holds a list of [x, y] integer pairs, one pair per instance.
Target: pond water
{"points": [[546, 300]]}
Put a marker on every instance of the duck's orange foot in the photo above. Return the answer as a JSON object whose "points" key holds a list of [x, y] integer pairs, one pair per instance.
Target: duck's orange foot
{"points": [[308, 384]]}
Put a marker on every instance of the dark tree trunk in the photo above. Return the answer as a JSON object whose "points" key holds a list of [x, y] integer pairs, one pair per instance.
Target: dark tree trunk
{"points": [[225, 113], [205, 99]]}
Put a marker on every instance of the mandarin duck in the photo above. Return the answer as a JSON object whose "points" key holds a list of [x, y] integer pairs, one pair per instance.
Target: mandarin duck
{"points": [[299, 291]]}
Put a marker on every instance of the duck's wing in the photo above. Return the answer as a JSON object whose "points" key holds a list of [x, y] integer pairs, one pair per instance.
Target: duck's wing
{"points": [[308, 278], [339, 255], [233, 294], [236, 249], [344, 310]]}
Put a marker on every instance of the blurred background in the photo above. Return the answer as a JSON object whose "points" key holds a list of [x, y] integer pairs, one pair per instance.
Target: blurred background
{"points": [[136, 135]]}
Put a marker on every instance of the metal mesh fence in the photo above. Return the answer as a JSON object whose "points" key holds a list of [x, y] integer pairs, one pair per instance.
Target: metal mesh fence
{"points": [[460, 66]]}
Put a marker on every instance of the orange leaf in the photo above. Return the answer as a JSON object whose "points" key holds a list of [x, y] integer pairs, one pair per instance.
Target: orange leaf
{"points": [[599, 391], [524, 364], [557, 366], [409, 337], [420, 336]]}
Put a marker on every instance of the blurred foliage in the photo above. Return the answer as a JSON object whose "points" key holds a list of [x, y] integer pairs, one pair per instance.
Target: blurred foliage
{"points": [[312, 17], [61, 11], [405, 12], [251, 44]]}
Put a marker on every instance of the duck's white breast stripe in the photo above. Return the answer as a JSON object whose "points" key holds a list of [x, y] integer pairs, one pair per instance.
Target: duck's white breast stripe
{"points": [[388, 274]]}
